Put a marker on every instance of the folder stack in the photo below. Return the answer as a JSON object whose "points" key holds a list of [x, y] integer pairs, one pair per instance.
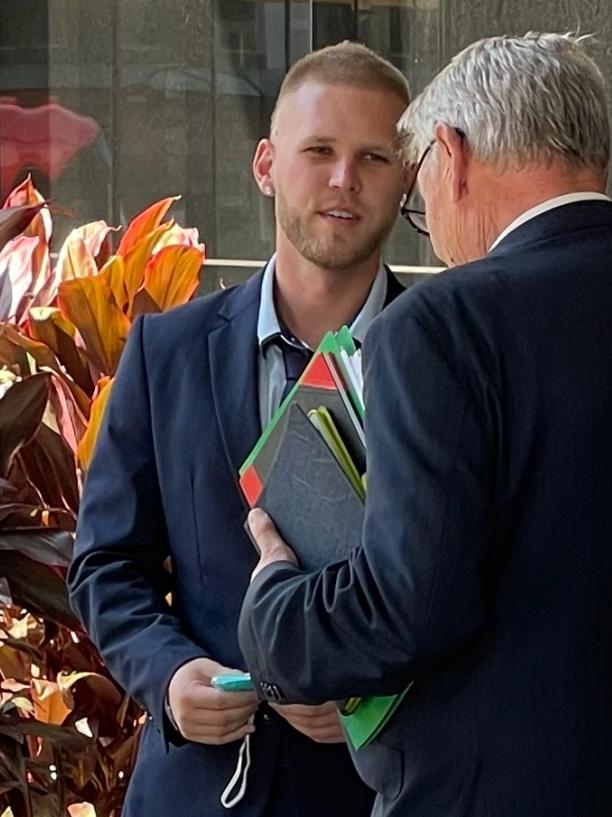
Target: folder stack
{"points": [[307, 471]]}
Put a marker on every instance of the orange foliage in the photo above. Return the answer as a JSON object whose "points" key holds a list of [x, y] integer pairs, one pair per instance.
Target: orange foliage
{"points": [[63, 328]]}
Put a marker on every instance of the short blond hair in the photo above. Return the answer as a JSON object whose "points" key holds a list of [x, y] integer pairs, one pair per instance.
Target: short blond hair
{"points": [[346, 63]]}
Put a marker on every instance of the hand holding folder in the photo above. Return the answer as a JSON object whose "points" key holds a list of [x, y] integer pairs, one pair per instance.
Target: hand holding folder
{"points": [[307, 473]]}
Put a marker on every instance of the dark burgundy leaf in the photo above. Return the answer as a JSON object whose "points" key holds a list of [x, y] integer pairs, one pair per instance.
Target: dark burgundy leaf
{"points": [[14, 220], [49, 463], [21, 412], [50, 547]]}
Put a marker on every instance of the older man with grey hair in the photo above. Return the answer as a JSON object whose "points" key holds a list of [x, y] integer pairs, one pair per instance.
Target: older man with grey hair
{"points": [[484, 577]]}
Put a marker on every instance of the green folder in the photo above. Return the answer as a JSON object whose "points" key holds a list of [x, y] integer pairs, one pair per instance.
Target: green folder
{"points": [[370, 717], [341, 344]]}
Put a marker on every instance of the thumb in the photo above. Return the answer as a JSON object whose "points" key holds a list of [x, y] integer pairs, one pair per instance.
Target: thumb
{"points": [[269, 542], [263, 529]]}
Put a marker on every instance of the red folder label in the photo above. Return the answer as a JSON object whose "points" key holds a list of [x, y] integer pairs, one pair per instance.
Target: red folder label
{"points": [[251, 485]]}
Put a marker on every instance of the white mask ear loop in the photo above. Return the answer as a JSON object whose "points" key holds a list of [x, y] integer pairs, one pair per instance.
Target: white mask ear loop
{"points": [[240, 775]]}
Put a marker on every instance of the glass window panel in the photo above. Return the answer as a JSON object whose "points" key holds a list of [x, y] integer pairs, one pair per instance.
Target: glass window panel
{"points": [[126, 102], [333, 21], [24, 81], [405, 33]]}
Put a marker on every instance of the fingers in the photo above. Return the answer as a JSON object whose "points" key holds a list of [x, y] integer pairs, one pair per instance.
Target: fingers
{"points": [[233, 715], [209, 707], [332, 734], [322, 733], [320, 723], [205, 714], [306, 712], [216, 735], [201, 696], [216, 725]]}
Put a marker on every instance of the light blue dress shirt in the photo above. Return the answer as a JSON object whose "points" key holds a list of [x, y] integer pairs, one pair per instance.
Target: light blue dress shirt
{"points": [[271, 369]]}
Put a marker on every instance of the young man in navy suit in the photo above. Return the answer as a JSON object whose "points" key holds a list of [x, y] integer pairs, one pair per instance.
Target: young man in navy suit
{"points": [[485, 575], [194, 389]]}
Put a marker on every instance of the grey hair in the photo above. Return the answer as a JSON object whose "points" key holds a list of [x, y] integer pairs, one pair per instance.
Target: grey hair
{"points": [[517, 100]]}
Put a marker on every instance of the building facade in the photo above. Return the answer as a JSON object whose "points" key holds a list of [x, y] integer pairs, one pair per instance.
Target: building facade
{"points": [[112, 104]]}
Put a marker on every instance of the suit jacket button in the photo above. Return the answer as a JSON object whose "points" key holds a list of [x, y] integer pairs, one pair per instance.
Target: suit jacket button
{"points": [[271, 691], [275, 692]]}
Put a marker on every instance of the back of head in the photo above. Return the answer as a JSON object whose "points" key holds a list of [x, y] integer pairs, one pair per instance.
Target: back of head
{"points": [[346, 63], [518, 101]]}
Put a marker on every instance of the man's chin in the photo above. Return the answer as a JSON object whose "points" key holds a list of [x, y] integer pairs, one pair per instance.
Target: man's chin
{"points": [[337, 258]]}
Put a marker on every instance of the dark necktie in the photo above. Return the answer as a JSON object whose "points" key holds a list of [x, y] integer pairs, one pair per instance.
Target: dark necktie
{"points": [[296, 358]]}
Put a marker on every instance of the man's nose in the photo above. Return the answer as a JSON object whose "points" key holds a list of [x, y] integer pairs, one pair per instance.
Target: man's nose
{"points": [[344, 176]]}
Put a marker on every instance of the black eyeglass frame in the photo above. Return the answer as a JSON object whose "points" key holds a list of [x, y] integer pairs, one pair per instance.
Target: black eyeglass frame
{"points": [[405, 211]]}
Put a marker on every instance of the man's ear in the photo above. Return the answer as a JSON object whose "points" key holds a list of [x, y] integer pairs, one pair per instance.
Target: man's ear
{"points": [[262, 166], [453, 158]]}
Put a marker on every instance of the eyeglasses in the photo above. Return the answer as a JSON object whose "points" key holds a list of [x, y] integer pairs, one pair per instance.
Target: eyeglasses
{"points": [[413, 204]]}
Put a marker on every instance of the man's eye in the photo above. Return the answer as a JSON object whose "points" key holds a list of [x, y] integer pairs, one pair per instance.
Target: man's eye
{"points": [[377, 157], [319, 150]]}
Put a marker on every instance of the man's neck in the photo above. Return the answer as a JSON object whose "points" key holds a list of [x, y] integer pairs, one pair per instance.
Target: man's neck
{"points": [[311, 300], [511, 195]]}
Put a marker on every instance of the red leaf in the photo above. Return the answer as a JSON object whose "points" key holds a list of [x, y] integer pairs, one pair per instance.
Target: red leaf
{"points": [[94, 235], [18, 261], [49, 463], [40, 227], [19, 352], [71, 422], [47, 325], [26, 194]]}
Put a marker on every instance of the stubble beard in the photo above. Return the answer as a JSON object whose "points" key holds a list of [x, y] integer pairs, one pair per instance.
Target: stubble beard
{"points": [[325, 251]]}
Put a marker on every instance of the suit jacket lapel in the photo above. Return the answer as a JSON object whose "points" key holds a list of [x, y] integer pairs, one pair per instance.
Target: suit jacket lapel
{"points": [[234, 358], [233, 355]]}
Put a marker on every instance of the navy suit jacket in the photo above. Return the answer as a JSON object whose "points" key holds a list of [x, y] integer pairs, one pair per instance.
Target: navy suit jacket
{"points": [[485, 574], [183, 416]]}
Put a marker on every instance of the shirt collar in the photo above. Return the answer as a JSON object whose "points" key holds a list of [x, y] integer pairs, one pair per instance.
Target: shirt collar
{"points": [[544, 207], [268, 325], [267, 322]]}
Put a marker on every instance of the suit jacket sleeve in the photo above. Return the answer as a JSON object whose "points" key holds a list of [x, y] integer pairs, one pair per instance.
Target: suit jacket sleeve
{"points": [[117, 581], [413, 593]]}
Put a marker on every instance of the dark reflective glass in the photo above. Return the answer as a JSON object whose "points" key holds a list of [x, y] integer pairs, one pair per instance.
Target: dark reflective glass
{"points": [[113, 105]]}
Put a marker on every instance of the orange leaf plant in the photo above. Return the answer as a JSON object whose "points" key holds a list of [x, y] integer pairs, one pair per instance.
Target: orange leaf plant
{"points": [[67, 732]]}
